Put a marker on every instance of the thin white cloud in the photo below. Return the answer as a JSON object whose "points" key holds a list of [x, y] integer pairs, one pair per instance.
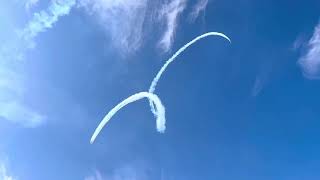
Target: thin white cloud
{"points": [[298, 43], [122, 19], [16, 112], [46, 18], [135, 171], [310, 62], [128, 173], [15, 46], [127, 21], [96, 176], [30, 4], [170, 12], [4, 174], [12, 83], [257, 87], [197, 9], [12, 109]]}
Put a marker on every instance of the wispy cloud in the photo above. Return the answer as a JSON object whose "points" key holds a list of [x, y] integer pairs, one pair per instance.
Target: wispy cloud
{"points": [[30, 4], [299, 42], [170, 13], [15, 47], [257, 87], [4, 174], [12, 83], [122, 19], [197, 9], [12, 108], [310, 61], [127, 21], [16, 112], [127, 172], [96, 176], [46, 18]]}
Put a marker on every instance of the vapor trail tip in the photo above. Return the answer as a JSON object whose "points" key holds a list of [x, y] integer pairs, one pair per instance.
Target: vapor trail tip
{"points": [[92, 141]]}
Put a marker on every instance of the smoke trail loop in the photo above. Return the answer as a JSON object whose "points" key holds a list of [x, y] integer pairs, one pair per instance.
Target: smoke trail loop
{"points": [[160, 115]]}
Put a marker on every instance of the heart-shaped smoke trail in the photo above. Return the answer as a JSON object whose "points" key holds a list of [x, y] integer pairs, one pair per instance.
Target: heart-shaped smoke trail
{"points": [[172, 58], [161, 118]]}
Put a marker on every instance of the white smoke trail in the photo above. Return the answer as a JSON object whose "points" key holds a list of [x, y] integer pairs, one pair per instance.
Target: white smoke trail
{"points": [[154, 100], [161, 120], [176, 54]]}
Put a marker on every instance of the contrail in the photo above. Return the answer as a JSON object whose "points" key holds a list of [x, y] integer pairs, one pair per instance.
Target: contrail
{"points": [[160, 115], [172, 58]]}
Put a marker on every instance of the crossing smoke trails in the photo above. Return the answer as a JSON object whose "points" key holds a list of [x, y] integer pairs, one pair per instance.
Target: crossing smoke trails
{"points": [[160, 115], [156, 106], [172, 58]]}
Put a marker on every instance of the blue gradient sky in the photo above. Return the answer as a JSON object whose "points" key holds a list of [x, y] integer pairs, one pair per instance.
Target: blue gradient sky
{"points": [[234, 111]]}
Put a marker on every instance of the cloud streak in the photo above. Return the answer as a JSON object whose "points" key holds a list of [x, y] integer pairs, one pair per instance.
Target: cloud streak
{"points": [[310, 62], [197, 9], [12, 108], [15, 48], [128, 171], [160, 112], [4, 174], [170, 12], [173, 57], [127, 21], [30, 3], [122, 19], [97, 176], [16, 112], [12, 81], [46, 18]]}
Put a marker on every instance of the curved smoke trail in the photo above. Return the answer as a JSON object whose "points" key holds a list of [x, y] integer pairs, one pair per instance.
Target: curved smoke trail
{"points": [[160, 115], [156, 106], [172, 58]]}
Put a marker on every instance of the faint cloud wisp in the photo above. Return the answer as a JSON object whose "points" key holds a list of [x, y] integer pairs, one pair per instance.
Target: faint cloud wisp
{"points": [[12, 81], [30, 4], [170, 13], [12, 109], [122, 19], [197, 9], [4, 174], [126, 172], [126, 21], [96, 176], [310, 62], [45, 19], [16, 112]]}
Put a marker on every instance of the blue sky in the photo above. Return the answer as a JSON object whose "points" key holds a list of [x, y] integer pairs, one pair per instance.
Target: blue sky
{"points": [[245, 110]]}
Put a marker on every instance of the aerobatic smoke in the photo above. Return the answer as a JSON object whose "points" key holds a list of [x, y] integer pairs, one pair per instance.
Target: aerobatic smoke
{"points": [[172, 58], [160, 115], [156, 106]]}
